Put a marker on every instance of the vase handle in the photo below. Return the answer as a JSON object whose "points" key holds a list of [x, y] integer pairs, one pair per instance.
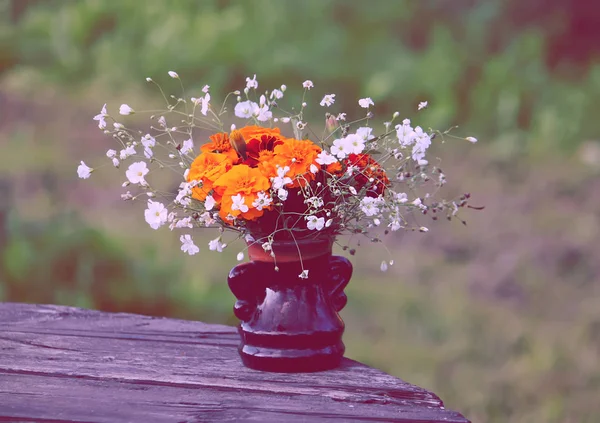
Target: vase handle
{"points": [[243, 284], [339, 274]]}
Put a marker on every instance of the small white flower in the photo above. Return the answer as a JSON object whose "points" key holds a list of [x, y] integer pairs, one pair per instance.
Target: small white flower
{"points": [[187, 147], [111, 153], [209, 203], [281, 180], [370, 206], [252, 83], [266, 246], [136, 172], [384, 266], [148, 79], [352, 190], [205, 88], [341, 148], [216, 245], [205, 104], [115, 162], [471, 139], [187, 245], [341, 116], [240, 256], [246, 109], [328, 100], [262, 201], [84, 171], [304, 274], [406, 135], [127, 196], [285, 119], [238, 203], [313, 168], [101, 118], [148, 153], [315, 223], [324, 158], [156, 214], [118, 125], [356, 143], [276, 94], [282, 194], [422, 143], [423, 229], [125, 110], [173, 74], [307, 84], [162, 121], [329, 222], [127, 152], [148, 141], [365, 102], [422, 105], [186, 222], [365, 133], [402, 197], [264, 114]]}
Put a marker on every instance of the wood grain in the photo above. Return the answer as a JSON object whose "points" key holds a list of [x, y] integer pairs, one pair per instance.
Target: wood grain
{"points": [[62, 364]]}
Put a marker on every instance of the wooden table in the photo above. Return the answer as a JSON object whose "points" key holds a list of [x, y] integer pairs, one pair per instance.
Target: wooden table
{"points": [[63, 364]]}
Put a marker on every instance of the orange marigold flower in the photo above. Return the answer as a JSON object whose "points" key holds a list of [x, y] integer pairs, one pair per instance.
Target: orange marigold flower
{"points": [[219, 143], [267, 164], [245, 181], [259, 139], [207, 168], [299, 155], [334, 168]]}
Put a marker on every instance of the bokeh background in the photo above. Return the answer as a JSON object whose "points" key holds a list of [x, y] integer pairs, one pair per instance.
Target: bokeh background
{"points": [[500, 318]]}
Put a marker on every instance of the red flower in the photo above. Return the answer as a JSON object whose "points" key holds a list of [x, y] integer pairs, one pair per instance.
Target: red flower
{"points": [[367, 168]]}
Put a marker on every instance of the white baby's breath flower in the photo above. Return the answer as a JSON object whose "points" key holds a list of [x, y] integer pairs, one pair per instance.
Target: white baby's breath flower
{"points": [[115, 162], [148, 141], [148, 153], [401, 197], [281, 180], [187, 245], [127, 152], [341, 148], [315, 223], [304, 274], [282, 193], [205, 104], [156, 214], [471, 139], [276, 94], [240, 256], [209, 203], [126, 110], [187, 147], [324, 158], [162, 121], [355, 143], [216, 245], [365, 103], [173, 74], [101, 118], [328, 100], [84, 171], [238, 203], [406, 135], [266, 246], [370, 206], [127, 196], [384, 266], [111, 153], [205, 88], [262, 201], [136, 173], [307, 84], [365, 133], [313, 168], [264, 114], [423, 229], [422, 105], [252, 83], [246, 109], [422, 143]]}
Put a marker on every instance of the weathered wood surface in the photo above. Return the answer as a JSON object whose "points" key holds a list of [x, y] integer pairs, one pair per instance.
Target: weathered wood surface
{"points": [[63, 364]]}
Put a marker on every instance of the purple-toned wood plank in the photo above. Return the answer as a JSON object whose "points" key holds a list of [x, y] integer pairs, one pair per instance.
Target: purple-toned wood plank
{"points": [[68, 364]]}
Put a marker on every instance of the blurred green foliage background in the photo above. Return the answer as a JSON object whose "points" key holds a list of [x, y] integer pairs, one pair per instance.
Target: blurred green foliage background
{"points": [[501, 319]]}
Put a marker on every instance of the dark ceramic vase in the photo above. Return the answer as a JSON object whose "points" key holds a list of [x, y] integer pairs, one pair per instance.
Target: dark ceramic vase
{"points": [[290, 324]]}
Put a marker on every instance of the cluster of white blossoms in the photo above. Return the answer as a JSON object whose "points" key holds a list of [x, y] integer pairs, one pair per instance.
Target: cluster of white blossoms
{"points": [[364, 193]]}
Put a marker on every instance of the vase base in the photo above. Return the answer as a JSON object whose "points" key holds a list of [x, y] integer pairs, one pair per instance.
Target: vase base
{"points": [[292, 360]]}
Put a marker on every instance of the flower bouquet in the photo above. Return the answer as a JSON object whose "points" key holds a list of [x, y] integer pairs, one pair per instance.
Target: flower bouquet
{"points": [[287, 194]]}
